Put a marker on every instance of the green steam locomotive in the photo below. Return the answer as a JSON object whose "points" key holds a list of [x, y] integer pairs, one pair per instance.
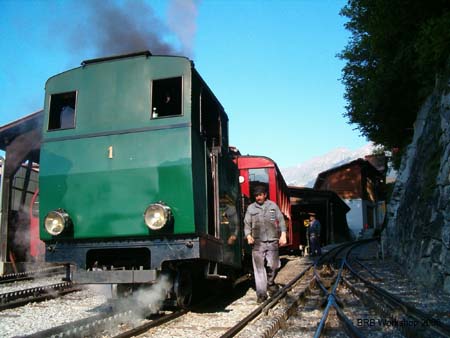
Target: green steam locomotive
{"points": [[136, 177]]}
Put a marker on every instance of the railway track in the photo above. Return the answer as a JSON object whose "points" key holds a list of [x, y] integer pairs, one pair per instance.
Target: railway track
{"points": [[338, 294], [32, 274], [109, 324], [411, 320], [302, 292], [332, 303], [117, 324], [18, 298]]}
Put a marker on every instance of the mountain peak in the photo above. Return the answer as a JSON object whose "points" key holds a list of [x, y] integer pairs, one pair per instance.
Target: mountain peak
{"points": [[305, 174]]}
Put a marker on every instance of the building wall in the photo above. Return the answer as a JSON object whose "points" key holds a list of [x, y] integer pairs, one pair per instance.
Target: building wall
{"points": [[346, 183], [355, 217], [363, 214]]}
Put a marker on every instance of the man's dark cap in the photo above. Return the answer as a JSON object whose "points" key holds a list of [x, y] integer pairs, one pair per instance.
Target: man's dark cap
{"points": [[260, 189]]}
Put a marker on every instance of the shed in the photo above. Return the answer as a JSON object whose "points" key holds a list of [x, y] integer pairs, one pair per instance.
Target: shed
{"points": [[21, 140], [362, 187], [329, 208]]}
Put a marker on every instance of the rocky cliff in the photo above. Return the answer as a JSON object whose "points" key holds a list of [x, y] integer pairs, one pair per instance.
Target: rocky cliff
{"points": [[418, 228]]}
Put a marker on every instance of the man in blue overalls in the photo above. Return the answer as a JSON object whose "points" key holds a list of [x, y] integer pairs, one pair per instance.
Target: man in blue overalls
{"points": [[263, 224], [314, 235]]}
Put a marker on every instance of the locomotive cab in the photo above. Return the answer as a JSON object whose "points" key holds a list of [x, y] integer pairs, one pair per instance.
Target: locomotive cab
{"points": [[136, 178]]}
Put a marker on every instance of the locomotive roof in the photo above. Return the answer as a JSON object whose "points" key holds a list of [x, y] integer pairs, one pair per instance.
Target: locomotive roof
{"points": [[145, 54]]}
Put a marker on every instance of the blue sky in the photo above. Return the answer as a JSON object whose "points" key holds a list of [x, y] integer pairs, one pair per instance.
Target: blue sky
{"points": [[272, 64]]}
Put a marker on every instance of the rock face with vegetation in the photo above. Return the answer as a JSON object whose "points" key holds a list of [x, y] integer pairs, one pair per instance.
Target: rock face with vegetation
{"points": [[418, 230], [398, 54]]}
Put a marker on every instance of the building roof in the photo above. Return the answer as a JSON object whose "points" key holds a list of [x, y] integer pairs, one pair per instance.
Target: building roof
{"points": [[358, 162], [10, 131], [299, 194]]}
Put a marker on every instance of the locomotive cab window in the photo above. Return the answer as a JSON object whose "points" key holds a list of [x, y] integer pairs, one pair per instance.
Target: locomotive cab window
{"points": [[166, 97], [62, 111]]}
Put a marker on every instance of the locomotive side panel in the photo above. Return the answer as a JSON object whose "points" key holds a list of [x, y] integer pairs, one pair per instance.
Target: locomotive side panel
{"points": [[116, 158], [106, 197], [215, 177]]}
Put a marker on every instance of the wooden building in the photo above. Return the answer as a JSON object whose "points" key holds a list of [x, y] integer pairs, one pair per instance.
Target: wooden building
{"points": [[362, 187], [19, 232]]}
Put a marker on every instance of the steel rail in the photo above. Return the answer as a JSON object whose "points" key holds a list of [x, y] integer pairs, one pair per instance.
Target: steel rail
{"points": [[137, 330], [70, 329], [349, 326], [25, 293], [373, 300], [269, 303], [27, 275], [333, 253], [18, 298], [164, 319], [366, 268], [324, 289], [323, 259], [145, 327], [332, 297], [434, 324], [265, 306]]}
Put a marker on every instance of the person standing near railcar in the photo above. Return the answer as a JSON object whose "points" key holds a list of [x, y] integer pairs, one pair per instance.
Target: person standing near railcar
{"points": [[314, 235], [263, 224]]}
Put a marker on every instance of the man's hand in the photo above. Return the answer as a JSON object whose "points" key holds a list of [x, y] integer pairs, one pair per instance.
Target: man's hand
{"points": [[282, 240], [231, 239], [250, 239]]}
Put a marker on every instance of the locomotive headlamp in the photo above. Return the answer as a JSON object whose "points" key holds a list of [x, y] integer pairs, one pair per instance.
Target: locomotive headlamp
{"points": [[157, 215], [56, 221]]}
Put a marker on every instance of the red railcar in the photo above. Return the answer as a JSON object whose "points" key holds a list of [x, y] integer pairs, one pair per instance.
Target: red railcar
{"points": [[260, 170]]}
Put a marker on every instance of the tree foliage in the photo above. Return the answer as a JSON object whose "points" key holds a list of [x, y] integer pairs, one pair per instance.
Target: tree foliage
{"points": [[396, 50]]}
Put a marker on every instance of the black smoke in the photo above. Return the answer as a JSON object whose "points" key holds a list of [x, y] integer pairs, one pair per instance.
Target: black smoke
{"points": [[109, 27]]}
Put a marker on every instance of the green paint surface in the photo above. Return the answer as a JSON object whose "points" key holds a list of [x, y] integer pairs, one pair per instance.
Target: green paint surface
{"points": [[151, 159]]}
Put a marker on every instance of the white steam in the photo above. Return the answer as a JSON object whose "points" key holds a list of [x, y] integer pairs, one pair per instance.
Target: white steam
{"points": [[153, 297]]}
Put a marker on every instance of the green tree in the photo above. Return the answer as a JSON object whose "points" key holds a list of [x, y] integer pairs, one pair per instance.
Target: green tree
{"points": [[395, 51]]}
